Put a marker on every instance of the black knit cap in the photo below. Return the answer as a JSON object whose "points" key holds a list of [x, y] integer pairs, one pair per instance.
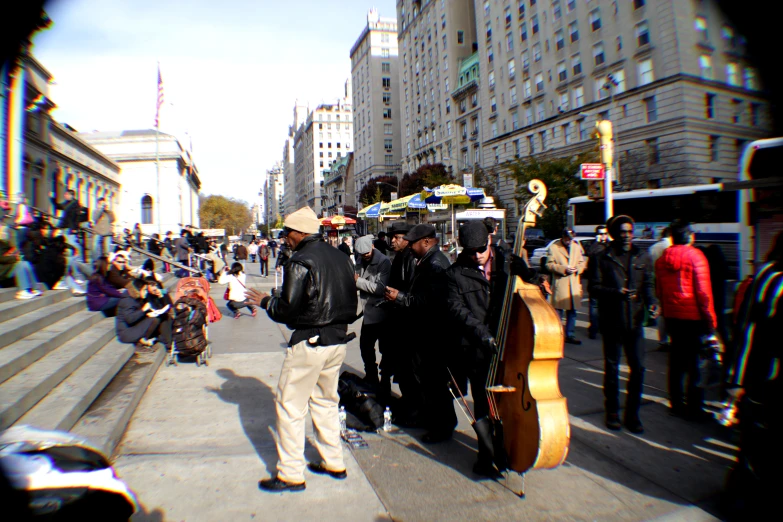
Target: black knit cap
{"points": [[614, 224], [473, 234]]}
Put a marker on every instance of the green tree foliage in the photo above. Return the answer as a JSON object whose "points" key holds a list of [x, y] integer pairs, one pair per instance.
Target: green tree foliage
{"points": [[429, 176], [561, 177], [221, 212], [378, 189]]}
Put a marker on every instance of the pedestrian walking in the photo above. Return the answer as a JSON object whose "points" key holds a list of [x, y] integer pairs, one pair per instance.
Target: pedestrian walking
{"points": [[344, 247], [685, 292], [656, 251], [235, 278], [598, 246], [263, 258], [241, 254], [622, 280], [317, 302], [72, 216], [372, 276], [183, 251], [272, 244], [424, 306], [137, 236], [565, 260], [252, 251]]}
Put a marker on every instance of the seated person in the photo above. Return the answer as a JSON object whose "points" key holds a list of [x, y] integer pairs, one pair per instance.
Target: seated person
{"points": [[136, 326], [157, 300], [102, 296], [119, 275], [14, 270]]}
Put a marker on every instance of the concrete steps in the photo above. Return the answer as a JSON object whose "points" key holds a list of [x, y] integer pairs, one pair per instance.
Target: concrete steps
{"points": [[62, 368]]}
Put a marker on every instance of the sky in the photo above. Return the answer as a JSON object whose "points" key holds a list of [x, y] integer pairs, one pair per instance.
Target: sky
{"points": [[231, 71]]}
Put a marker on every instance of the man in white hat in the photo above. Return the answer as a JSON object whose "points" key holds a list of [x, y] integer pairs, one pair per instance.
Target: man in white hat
{"points": [[318, 301]]}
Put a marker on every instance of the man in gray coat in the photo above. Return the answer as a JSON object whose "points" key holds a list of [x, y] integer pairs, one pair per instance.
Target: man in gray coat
{"points": [[372, 276]]}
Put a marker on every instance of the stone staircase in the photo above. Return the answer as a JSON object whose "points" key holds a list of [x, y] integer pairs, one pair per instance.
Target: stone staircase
{"points": [[61, 367]]}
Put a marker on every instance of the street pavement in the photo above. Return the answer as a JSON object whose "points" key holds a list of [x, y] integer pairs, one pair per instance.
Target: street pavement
{"points": [[202, 437]]}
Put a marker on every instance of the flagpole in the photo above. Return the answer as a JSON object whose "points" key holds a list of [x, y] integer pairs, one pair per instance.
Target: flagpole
{"points": [[157, 153]]}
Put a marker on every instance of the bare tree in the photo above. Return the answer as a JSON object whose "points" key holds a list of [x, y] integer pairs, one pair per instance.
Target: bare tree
{"points": [[653, 165]]}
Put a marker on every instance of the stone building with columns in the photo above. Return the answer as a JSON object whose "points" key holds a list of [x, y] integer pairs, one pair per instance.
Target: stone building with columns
{"points": [[38, 155]]}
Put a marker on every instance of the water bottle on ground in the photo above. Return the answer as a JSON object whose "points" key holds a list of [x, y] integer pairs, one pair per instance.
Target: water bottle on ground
{"points": [[387, 419], [342, 416]]}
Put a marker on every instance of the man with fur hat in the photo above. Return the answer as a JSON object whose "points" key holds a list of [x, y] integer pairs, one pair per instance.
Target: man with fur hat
{"points": [[622, 280], [371, 279], [424, 314], [318, 301]]}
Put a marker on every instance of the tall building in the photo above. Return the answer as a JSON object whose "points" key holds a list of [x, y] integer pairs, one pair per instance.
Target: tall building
{"points": [[289, 187], [376, 101], [434, 38], [673, 76], [274, 201], [325, 136]]}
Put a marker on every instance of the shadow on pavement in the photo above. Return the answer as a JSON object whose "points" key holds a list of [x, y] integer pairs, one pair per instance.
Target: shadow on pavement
{"points": [[254, 398]]}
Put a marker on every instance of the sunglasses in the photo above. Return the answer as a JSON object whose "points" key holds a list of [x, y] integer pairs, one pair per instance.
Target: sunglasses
{"points": [[479, 250]]}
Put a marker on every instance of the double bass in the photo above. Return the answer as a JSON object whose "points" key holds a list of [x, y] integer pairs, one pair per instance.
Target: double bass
{"points": [[528, 414]]}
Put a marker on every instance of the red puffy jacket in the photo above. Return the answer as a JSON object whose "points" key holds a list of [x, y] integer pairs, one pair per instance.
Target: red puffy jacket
{"points": [[683, 285]]}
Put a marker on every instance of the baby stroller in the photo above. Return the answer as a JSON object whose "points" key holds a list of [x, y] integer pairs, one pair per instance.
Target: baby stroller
{"points": [[189, 331]]}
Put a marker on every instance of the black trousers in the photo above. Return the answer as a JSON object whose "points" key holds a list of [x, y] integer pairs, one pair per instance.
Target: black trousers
{"points": [[684, 362], [264, 266], [372, 333], [438, 401], [615, 342]]}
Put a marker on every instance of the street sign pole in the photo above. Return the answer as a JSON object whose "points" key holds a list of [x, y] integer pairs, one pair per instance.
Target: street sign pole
{"points": [[608, 205]]}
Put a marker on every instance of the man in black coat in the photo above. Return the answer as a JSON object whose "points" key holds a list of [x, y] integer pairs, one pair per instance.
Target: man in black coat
{"points": [[622, 281], [424, 317], [598, 246], [381, 243], [317, 302], [344, 248]]}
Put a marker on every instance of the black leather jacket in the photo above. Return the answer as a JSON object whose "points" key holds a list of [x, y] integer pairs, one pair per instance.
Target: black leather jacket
{"points": [[425, 301], [318, 289], [402, 268]]}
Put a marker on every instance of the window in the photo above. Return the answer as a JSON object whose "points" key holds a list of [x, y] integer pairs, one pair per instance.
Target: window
{"points": [[567, 133], [474, 99], [534, 24], [645, 72], [732, 75], [705, 66], [528, 92], [563, 102], [387, 114], [539, 82], [651, 108], [491, 79], [642, 34], [386, 67], [700, 24], [754, 113], [595, 19], [388, 159], [463, 106], [509, 42], [653, 154], [494, 129], [582, 130], [576, 64], [561, 72], [638, 4], [511, 69], [508, 16], [749, 78], [557, 13], [385, 37], [736, 110], [528, 115], [460, 37], [709, 105], [321, 163], [727, 33], [559, 40], [712, 144], [486, 8], [598, 53], [387, 98], [387, 144], [573, 30], [525, 59], [490, 54], [543, 139], [448, 128], [579, 96], [146, 210], [512, 96], [384, 53], [537, 52], [521, 9], [386, 83], [338, 144], [387, 128], [493, 103], [531, 144], [489, 32], [540, 113], [329, 144], [321, 145], [619, 41], [515, 119], [516, 148], [619, 80], [523, 32]]}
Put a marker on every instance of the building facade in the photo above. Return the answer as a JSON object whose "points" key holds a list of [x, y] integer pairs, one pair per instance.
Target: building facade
{"points": [[38, 155], [376, 101], [158, 202], [289, 166], [323, 138], [468, 115], [274, 195], [338, 195], [672, 76], [435, 36]]}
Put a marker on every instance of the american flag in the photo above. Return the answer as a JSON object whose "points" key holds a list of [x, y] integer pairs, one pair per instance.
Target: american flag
{"points": [[160, 98]]}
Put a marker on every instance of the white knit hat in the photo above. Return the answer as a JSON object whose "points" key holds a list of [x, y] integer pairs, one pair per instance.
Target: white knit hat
{"points": [[303, 220]]}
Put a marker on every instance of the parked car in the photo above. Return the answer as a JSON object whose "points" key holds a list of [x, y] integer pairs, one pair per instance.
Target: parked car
{"points": [[538, 258]]}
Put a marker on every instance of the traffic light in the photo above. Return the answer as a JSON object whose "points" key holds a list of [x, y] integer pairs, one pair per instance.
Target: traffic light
{"points": [[603, 129]]}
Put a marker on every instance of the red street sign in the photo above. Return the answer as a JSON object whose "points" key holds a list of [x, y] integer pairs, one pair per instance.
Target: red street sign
{"points": [[592, 171]]}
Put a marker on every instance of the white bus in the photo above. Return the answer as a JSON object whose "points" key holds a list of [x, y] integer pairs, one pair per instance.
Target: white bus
{"points": [[714, 215]]}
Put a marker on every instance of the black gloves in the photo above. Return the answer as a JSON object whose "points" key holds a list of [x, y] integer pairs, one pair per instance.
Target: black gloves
{"points": [[489, 345]]}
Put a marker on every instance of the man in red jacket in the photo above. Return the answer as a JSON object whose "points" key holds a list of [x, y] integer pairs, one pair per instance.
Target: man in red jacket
{"points": [[683, 286]]}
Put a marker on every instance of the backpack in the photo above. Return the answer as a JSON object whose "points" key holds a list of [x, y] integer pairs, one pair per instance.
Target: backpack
{"points": [[188, 328], [360, 401]]}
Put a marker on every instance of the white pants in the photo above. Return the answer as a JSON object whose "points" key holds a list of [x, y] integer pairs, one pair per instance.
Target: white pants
{"points": [[308, 381]]}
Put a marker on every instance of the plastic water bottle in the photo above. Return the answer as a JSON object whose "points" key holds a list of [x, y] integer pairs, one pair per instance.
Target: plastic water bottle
{"points": [[387, 418], [342, 416]]}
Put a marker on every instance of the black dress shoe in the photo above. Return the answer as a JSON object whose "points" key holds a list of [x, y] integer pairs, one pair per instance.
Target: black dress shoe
{"points": [[613, 422], [573, 340], [318, 467], [433, 437], [486, 469], [634, 426], [274, 484]]}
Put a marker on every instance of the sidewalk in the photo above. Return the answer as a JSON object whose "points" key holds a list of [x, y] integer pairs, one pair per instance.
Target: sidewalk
{"points": [[203, 437]]}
